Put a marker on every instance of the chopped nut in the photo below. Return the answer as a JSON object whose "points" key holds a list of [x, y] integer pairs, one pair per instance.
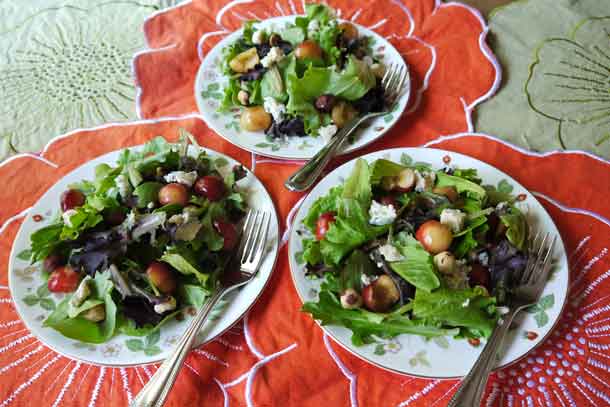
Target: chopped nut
{"points": [[167, 305], [350, 299], [245, 61], [243, 97], [82, 292], [95, 314]]}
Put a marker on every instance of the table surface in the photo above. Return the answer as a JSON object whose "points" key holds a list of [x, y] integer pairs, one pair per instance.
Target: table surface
{"points": [[277, 355], [486, 5]]}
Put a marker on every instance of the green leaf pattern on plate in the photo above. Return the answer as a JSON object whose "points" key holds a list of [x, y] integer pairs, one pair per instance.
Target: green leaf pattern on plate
{"points": [[148, 345], [539, 310], [41, 297]]}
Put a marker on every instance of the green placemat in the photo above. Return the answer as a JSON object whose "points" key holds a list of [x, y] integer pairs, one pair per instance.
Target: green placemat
{"points": [[556, 87], [66, 65]]}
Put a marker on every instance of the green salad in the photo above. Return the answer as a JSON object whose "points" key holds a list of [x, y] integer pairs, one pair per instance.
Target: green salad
{"points": [[404, 249], [309, 77], [144, 239]]}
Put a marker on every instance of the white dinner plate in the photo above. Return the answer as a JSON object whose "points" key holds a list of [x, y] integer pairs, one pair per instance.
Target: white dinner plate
{"points": [[33, 304], [442, 357], [210, 82]]}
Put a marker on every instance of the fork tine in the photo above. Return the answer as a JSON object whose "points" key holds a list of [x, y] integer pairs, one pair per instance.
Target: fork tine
{"points": [[544, 267], [539, 259], [248, 252], [395, 79], [386, 76], [531, 259], [245, 231], [247, 241], [261, 241], [403, 78]]}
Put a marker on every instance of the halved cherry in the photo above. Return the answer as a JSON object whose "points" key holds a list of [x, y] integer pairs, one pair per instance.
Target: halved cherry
{"points": [[173, 193], [63, 280], [434, 236], [161, 277], [211, 187], [323, 224], [228, 232], [71, 199]]}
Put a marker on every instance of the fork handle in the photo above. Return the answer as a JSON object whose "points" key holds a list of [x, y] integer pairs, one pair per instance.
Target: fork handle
{"points": [[154, 393], [305, 176], [473, 385]]}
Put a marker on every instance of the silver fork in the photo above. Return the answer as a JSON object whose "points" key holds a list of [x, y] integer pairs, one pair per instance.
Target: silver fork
{"points": [[240, 271], [393, 82], [524, 293]]}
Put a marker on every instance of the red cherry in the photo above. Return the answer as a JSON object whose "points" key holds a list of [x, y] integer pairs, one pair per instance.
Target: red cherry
{"points": [[211, 187], [434, 236], [71, 199], [63, 280], [323, 224], [228, 232], [161, 277], [173, 193]]}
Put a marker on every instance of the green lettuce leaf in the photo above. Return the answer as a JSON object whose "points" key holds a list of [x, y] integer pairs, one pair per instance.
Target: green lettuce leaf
{"points": [[350, 230], [147, 192], [384, 168], [183, 260], [417, 268], [44, 241], [365, 324], [326, 203], [471, 189], [469, 308], [516, 223], [311, 251], [84, 217], [81, 329], [357, 264], [358, 185]]}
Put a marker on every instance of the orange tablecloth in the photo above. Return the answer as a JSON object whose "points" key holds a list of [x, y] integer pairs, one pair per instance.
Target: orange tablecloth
{"points": [[278, 356]]}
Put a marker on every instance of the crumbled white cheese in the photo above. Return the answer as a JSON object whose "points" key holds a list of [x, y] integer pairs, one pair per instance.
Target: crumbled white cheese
{"points": [[258, 36], [168, 305], [182, 177], [424, 181], [67, 215], [390, 253], [365, 279], [501, 207], [454, 219], [381, 214], [327, 132], [123, 185], [312, 27], [130, 221], [274, 56], [483, 258], [274, 108]]}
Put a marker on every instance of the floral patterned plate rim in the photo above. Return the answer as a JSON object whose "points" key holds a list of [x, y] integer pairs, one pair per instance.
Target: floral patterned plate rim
{"points": [[210, 83], [33, 301], [442, 358]]}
